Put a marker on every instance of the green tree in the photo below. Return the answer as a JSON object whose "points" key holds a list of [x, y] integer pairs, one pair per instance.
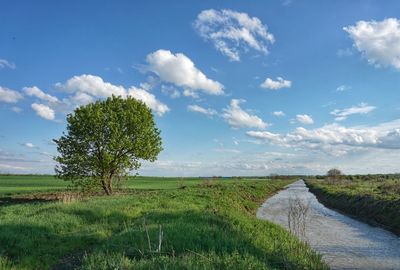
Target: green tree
{"points": [[106, 140], [334, 174]]}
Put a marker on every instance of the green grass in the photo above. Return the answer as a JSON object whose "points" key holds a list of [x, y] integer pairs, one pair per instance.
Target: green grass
{"points": [[376, 201], [20, 184], [14, 184], [211, 225]]}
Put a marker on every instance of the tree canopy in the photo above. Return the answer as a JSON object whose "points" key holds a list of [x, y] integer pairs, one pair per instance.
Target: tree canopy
{"points": [[334, 172], [106, 140]]}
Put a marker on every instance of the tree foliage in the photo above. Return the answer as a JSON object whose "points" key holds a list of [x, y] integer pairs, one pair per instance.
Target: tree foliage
{"points": [[334, 174], [105, 140]]}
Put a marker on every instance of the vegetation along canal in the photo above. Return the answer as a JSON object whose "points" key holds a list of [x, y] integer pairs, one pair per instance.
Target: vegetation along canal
{"points": [[345, 243]]}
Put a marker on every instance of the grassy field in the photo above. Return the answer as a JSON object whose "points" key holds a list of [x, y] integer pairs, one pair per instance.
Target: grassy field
{"points": [[376, 200], [206, 225], [17, 184]]}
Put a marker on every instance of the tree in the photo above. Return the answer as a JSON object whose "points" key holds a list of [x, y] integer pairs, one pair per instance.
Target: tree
{"points": [[334, 174], [105, 140]]}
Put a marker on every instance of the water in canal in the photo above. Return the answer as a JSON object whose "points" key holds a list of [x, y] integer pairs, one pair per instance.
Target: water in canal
{"points": [[344, 243]]}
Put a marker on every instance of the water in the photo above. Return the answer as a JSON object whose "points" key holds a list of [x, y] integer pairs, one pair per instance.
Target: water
{"points": [[344, 243]]}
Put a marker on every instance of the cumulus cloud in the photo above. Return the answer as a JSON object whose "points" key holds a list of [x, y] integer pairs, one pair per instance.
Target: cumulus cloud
{"points": [[336, 139], [9, 96], [6, 64], [378, 41], [304, 119], [275, 85], [43, 111], [199, 109], [91, 85], [36, 92], [238, 118], [278, 113], [80, 98], [362, 108], [181, 71], [232, 32], [149, 99], [85, 89]]}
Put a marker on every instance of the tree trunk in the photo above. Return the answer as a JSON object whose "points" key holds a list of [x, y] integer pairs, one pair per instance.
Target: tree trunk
{"points": [[109, 186], [106, 187]]}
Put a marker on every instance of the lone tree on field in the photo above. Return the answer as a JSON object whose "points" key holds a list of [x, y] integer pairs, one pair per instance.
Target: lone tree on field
{"points": [[334, 174], [105, 140]]}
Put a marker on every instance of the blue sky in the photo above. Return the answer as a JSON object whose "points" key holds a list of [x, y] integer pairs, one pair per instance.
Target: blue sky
{"points": [[237, 88]]}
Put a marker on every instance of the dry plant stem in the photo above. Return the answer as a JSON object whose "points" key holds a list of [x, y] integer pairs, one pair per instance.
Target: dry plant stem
{"points": [[160, 238], [297, 217], [147, 233]]}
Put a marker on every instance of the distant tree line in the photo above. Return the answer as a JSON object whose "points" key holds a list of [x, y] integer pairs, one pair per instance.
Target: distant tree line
{"points": [[365, 177]]}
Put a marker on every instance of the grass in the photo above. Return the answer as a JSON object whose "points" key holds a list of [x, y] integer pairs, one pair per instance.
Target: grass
{"points": [[15, 184], [207, 225], [22, 184], [375, 201]]}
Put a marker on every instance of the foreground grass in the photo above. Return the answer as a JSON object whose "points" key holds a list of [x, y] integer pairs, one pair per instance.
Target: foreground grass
{"points": [[374, 201], [211, 225]]}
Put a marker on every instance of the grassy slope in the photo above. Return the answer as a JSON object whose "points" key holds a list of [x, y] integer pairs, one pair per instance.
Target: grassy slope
{"points": [[204, 227], [375, 202]]}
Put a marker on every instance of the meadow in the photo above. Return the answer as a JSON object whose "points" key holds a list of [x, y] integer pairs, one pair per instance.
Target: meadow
{"points": [[374, 199], [157, 223], [23, 184]]}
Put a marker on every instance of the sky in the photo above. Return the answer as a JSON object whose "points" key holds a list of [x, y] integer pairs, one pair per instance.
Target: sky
{"points": [[236, 87]]}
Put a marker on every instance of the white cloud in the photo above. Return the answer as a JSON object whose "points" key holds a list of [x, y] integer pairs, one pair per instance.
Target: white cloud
{"points": [[362, 108], [181, 71], [343, 87], [29, 145], [235, 141], [199, 109], [304, 119], [6, 64], [81, 98], [16, 109], [227, 150], [170, 91], [149, 99], [12, 168], [278, 113], [91, 85], [88, 88], [232, 32], [275, 85], [190, 93], [335, 139], [244, 164], [344, 52], [9, 96], [238, 118], [36, 92], [43, 111], [378, 41]]}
